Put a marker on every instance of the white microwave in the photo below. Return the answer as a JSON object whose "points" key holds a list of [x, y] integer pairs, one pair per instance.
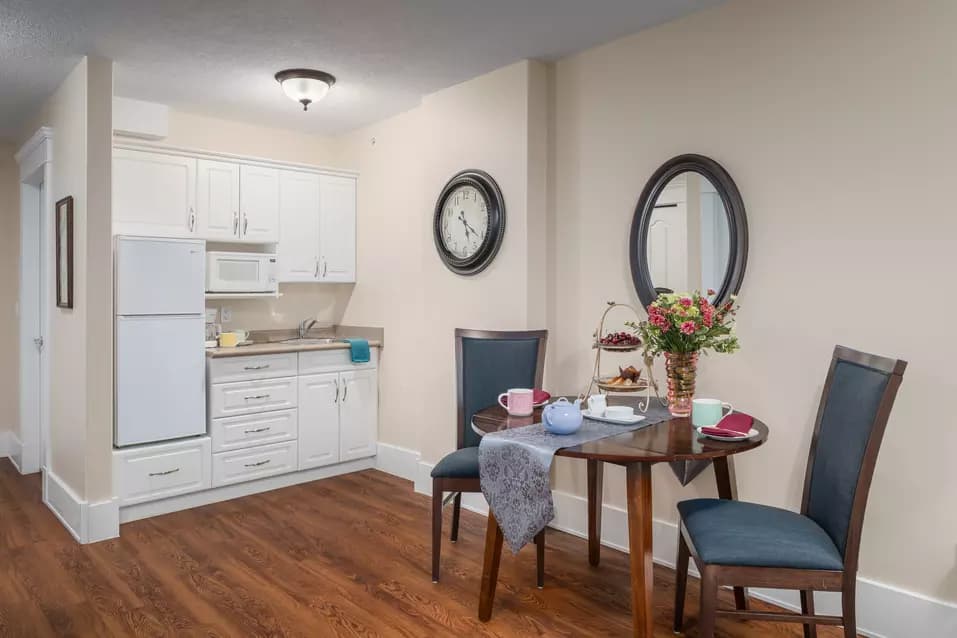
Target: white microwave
{"points": [[241, 272]]}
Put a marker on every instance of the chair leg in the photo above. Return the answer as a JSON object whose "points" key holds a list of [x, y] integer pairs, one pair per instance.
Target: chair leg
{"points": [[709, 603], [540, 558], [456, 507], [436, 529], [681, 582], [850, 613], [807, 608]]}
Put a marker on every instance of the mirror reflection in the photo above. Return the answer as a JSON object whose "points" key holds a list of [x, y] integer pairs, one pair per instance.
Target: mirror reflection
{"points": [[688, 245]]}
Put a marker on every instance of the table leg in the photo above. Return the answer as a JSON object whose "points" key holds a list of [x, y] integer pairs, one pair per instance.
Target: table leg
{"points": [[728, 489], [639, 544], [596, 470], [493, 556]]}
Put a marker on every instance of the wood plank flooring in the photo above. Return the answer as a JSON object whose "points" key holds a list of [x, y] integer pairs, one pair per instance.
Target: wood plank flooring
{"points": [[347, 556]]}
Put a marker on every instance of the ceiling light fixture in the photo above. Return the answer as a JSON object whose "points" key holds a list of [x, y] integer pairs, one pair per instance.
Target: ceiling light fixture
{"points": [[305, 85]]}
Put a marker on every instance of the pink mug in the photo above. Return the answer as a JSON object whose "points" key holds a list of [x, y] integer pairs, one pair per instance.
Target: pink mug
{"points": [[520, 401]]}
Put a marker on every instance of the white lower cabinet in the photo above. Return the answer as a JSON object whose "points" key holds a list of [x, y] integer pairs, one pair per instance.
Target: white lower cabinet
{"points": [[358, 414], [152, 472], [253, 463], [319, 414]]}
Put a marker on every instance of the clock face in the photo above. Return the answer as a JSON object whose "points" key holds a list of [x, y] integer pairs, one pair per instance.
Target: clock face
{"points": [[464, 222], [469, 222]]}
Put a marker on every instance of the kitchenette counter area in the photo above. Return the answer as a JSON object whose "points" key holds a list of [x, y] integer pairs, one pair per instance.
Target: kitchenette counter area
{"points": [[264, 342]]}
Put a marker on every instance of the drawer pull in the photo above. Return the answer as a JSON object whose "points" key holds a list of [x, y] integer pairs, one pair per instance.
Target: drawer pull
{"points": [[258, 430], [258, 463], [260, 367], [166, 473], [255, 397]]}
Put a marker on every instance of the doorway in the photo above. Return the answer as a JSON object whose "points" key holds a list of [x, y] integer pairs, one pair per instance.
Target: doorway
{"points": [[30, 449]]}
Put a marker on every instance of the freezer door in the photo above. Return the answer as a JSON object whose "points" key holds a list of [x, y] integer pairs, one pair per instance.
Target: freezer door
{"points": [[160, 276], [160, 378]]}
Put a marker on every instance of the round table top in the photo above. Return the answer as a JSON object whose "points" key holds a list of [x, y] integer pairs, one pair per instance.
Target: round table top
{"points": [[674, 439]]}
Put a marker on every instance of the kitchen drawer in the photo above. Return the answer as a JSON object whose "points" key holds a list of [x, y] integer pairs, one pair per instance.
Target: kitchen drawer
{"points": [[152, 472], [239, 432], [319, 361], [248, 397], [249, 368], [254, 463]]}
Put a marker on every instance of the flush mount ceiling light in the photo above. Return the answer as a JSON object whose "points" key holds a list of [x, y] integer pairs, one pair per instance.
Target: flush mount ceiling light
{"points": [[305, 85]]}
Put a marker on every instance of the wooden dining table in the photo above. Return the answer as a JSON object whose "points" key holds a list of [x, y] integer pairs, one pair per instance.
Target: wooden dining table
{"points": [[671, 440]]}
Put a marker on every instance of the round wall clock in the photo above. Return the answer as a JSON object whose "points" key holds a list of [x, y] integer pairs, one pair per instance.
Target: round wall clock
{"points": [[469, 222]]}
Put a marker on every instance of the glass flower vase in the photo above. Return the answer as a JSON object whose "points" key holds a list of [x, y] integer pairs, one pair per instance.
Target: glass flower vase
{"points": [[682, 370]]}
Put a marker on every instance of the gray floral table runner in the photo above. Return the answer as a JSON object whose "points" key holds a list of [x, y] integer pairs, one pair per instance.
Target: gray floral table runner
{"points": [[514, 467]]}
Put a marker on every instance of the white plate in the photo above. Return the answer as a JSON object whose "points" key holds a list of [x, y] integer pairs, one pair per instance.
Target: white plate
{"points": [[629, 421], [744, 437]]}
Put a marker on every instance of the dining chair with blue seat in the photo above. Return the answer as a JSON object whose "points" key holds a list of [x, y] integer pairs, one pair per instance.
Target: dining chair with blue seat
{"points": [[487, 363], [749, 545]]}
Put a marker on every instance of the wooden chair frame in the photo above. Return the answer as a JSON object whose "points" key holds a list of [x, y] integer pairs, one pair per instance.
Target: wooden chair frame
{"points": [[458, 486], [806, 580]]}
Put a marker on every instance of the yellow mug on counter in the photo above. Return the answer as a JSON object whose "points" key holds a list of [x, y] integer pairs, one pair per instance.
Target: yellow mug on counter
{"points": [[232, 339]]}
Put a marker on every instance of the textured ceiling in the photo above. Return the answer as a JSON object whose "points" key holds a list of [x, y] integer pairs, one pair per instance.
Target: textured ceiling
{"points": [[219, 56]]}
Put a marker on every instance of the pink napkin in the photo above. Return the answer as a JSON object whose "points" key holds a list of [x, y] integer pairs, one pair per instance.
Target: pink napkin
{"points": [[733, 425]]}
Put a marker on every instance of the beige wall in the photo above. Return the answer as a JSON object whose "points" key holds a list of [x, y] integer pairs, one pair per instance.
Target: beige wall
{"points": [[836, 121], [404, 287], [9, 289], [81, 411]]}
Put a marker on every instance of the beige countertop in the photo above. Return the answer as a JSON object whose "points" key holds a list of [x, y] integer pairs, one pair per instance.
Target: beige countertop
{"points": [[276, 341], [278, 348]]}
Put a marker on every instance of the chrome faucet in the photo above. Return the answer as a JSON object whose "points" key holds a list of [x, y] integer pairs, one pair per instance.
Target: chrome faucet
{"points": [[304, 326]]}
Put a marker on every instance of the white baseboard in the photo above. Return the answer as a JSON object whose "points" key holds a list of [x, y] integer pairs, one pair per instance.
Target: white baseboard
{"points": [[397, 461], [15, 451], [883, 611], [5, 438], [87, 522], [227, 492]]}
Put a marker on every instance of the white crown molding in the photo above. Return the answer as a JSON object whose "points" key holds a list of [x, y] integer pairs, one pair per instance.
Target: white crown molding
{"points": [[35, 152]]}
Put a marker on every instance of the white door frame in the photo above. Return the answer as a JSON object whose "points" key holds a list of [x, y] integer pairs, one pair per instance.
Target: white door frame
{"points": [[31, 451]]}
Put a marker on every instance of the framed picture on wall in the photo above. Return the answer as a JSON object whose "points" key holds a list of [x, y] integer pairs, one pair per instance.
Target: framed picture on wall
{"points": [[64, 252]]}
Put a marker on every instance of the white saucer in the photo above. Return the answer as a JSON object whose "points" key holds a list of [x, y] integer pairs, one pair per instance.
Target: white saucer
{"points": [[629, 421], [744, 437]]}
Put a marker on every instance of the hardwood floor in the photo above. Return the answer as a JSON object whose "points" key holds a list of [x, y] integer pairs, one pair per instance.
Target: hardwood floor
{"points": [[347, 556]]}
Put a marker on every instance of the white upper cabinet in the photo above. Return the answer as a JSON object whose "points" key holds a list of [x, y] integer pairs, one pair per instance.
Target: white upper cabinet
{"points": [[337, 228], [154, 194], [298, 226], [217, 200], [259, 204]]}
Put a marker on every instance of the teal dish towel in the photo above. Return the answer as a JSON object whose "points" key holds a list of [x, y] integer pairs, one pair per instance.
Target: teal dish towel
{"points": [[360, 350]]}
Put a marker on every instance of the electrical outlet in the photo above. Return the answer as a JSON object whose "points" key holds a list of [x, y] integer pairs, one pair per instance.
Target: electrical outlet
{"points": [[226, 314]]}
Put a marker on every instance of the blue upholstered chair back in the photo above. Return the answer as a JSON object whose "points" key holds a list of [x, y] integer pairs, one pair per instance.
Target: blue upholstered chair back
{"points": [[491, 364], [847, 421]]}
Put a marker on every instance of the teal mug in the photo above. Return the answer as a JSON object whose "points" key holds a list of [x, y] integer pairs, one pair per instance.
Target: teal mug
{"points": [[707, 412]]}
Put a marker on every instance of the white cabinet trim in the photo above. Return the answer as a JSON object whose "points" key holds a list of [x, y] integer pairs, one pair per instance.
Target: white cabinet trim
{"points": [[215, 155]]}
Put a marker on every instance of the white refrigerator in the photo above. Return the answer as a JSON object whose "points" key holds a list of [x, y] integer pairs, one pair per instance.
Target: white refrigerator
{"points": [[160, 339]]}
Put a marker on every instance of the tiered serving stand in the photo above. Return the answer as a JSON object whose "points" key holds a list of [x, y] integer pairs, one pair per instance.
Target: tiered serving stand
{"points": [[646, 383]]}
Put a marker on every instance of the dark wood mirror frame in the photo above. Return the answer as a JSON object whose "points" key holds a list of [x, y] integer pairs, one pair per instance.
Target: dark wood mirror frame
{"points": [[733, 206]]}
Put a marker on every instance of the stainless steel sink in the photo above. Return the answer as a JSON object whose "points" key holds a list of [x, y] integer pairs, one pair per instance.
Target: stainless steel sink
{"points": [[310, 341]]}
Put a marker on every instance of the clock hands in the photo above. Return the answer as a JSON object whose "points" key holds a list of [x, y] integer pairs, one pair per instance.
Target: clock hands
{"points": [[467, 226]]}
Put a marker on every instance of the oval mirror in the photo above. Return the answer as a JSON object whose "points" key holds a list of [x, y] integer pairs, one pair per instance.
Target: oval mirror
{"points": [[690, 232]]}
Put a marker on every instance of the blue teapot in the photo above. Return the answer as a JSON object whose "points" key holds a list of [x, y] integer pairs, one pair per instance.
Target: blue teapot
{"points": [[562, 417]]}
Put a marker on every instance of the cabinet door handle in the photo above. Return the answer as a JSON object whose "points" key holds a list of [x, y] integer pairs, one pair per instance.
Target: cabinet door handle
{"points": [[258, 430], [325, 267], [245, 223], [166, 473], [192, 219], [235, 222], [257, 464], [259, 367], [345, 391], [317, 269], [336, 400], [257, 396]]}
